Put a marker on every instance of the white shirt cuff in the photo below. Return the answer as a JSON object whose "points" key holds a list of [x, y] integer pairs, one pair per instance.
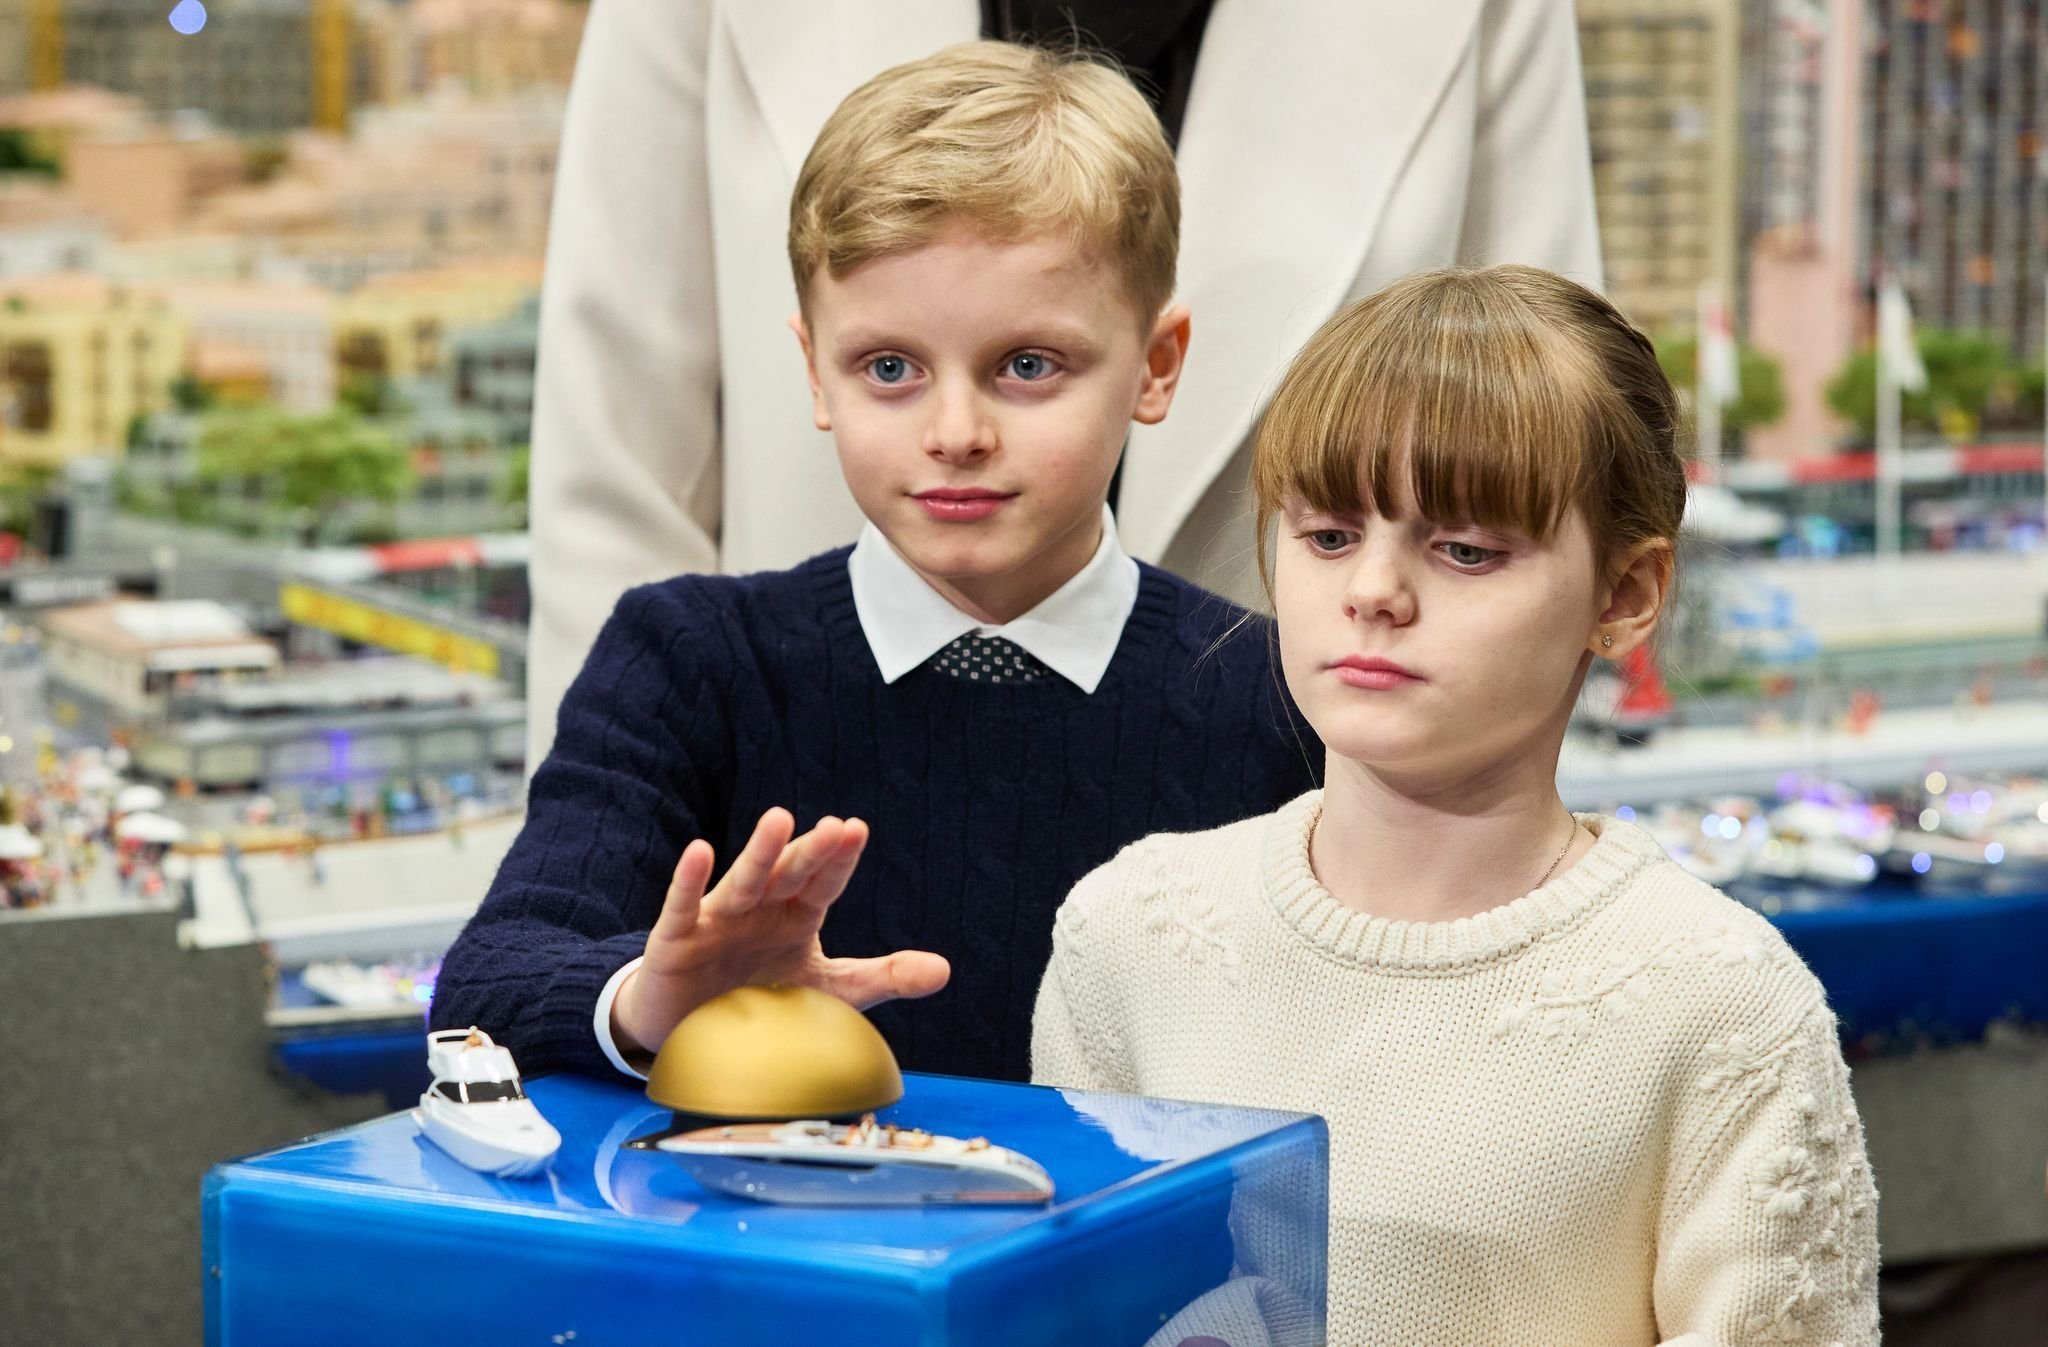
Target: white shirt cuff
{"points": [[602, 1021]]}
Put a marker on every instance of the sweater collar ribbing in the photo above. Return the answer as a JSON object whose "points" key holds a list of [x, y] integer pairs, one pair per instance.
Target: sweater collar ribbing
{"points": [[1290, 884]]}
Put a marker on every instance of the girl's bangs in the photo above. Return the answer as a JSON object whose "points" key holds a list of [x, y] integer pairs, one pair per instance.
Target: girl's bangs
{"points": [[1468, 420]]}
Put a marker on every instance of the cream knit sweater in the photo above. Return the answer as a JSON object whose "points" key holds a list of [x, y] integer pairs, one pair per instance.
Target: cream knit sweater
{"points": [[1611, 1113]]}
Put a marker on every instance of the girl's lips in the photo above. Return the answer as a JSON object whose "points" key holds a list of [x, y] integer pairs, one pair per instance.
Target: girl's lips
{"points": [[1380, 675], [1379, 680]]}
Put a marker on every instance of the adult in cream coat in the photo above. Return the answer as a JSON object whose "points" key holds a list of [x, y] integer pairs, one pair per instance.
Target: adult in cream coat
{"points": [[1327, 149]]}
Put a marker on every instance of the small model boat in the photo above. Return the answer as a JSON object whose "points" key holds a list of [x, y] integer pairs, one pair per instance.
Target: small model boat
{"points": [[476, 1109], [823, 1164]]}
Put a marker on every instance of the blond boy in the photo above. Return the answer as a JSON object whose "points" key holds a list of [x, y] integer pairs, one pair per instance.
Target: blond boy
{"points": [[910, 749]]}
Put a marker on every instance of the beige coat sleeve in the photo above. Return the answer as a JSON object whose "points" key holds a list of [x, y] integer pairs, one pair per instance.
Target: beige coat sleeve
{"points": [[625, 471], [1531, 197]]}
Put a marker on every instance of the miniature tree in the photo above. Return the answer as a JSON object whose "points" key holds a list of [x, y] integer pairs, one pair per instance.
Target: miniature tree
{"points": [[1968, 374], [1762, 399], [188, 394], [365, 393], [313, 465], [21, 486], [513, 493]]}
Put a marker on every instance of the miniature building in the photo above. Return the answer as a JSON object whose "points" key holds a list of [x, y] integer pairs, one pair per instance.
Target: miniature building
{"points": [[272, 340], [44, 228], [1661, 116], [154, 180], [449, 180], [1951, 193], [125, 659], [398, 326], [488, 47], [80, 356], [350, 721], [257, 69]]}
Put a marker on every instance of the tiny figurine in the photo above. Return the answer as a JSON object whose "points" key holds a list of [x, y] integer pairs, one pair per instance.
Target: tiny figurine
{"points": [[476, 1109], [821, 1164]]}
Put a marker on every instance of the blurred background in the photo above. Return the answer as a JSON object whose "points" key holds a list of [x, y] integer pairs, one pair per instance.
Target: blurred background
{"points": [[269, 276]]}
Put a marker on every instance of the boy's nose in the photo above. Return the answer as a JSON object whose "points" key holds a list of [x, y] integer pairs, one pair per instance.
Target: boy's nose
{"points": [[960, 430]]}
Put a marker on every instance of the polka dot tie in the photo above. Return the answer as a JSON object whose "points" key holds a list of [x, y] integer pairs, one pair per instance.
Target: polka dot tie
{"points": [[988, 659]]}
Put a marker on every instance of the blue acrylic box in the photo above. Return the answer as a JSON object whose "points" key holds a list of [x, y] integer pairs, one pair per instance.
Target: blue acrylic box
{"points": [[1171, 1222]]}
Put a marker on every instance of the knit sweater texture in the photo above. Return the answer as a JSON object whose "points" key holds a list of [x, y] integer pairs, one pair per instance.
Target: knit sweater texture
{"points": [[706, 700], [1611, 1113]]}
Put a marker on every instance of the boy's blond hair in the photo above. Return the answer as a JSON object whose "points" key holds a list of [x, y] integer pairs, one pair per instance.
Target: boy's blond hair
{"points": [[1009, 139]]}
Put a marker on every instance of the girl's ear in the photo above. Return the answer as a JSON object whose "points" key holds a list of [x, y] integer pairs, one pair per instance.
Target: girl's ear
{"points": [[1634, 600]]}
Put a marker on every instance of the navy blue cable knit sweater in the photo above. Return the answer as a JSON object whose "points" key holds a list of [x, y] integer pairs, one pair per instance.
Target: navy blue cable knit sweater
{"points": [[708, 699]]}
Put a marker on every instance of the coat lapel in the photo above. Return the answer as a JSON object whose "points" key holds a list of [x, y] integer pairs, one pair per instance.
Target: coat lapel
{"points": [[802, 57], [1298, 125]]}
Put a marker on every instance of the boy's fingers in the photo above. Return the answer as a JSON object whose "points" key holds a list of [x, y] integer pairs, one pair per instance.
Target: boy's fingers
{"points": [[830, 880], [908, 973], [685, 892], [747, 881], [801, 859]]}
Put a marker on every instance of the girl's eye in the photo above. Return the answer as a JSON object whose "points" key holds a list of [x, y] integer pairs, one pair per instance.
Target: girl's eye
{"points": [[889, 369], [1328, 540], [1468, 554], [1029, 366]]}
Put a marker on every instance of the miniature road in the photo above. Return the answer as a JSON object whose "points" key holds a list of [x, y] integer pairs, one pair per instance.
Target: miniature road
{"points": [[1851, 601], [423, 883], [1897, 748]]}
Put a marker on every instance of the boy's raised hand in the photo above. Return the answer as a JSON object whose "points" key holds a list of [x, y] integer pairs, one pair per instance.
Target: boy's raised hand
{"points": [[759, 926]]}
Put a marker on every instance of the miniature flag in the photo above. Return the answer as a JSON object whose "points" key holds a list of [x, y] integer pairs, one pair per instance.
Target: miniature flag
{"points": [[1807, 20], [1897, 352], [1720, 373]]}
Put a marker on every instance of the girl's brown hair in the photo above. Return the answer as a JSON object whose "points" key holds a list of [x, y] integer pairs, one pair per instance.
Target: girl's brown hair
{"points": [[1506, 396]]}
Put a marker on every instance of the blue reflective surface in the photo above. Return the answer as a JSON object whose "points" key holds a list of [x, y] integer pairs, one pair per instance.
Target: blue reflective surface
{"points": [[357, 1059], [373, 1234], [1898, 964]]}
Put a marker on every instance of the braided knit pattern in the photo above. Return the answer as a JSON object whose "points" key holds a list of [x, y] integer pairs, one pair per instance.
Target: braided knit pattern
{"points": [[708, 699], [1610, 1113]]}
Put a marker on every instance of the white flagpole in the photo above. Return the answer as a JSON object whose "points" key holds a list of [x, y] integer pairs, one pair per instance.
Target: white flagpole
{"points": [[1898, 368], [1888, 413], [1706, 386]]}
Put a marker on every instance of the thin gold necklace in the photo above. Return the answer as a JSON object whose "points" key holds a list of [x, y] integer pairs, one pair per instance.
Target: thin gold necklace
{"points": [[1569, 838]]}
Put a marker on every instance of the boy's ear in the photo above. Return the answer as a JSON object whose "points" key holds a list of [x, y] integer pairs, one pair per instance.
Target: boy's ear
{"points": [[819, 415], [1166, 351], [1635, 600]]}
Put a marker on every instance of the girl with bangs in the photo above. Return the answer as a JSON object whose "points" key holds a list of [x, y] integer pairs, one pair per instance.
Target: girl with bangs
{"points": [[1576, 1097]]}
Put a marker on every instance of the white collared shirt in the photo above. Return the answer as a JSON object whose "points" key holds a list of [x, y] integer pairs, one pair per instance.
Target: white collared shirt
{"points": [[1073, 631]]}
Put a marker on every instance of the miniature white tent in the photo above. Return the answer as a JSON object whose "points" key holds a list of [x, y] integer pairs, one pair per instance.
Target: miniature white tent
{"points": [[134, 799], [18, 843], [150, 828]]}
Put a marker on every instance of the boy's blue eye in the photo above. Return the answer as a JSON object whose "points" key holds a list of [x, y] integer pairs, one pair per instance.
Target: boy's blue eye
{"points": [[1029, 366], [890, 369]]}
